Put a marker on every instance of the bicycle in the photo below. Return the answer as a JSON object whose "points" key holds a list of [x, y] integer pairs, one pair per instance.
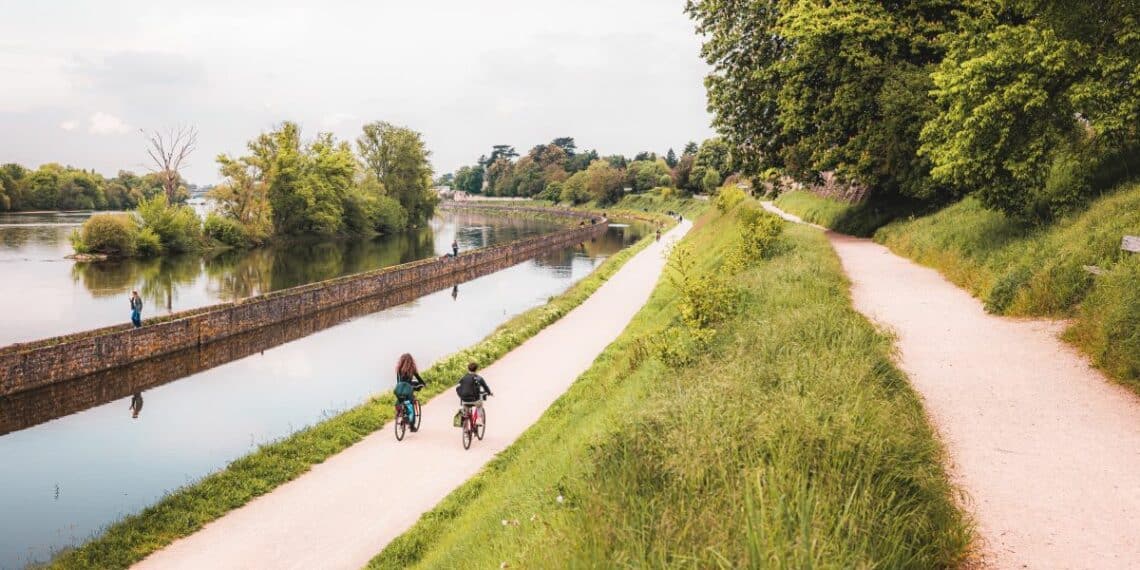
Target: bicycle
{"points": [[401, 424], [474, 422]]}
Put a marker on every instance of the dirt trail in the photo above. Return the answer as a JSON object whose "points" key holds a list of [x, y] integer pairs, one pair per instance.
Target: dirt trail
{"points": [[343, 511], [1045, 447]]}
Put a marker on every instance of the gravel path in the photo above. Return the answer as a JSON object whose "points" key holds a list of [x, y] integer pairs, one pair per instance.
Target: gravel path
{"points": [[1045, 448], [343, 511]]}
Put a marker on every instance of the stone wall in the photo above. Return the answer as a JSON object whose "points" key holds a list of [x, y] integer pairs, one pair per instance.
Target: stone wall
{"points": [[41, 363]]}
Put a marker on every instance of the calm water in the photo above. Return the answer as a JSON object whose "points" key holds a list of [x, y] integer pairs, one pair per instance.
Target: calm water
{"points": [[62, 481], [42, 294]]}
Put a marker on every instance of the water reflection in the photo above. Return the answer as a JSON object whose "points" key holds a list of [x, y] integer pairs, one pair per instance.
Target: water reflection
{"points": [[54, 296]]}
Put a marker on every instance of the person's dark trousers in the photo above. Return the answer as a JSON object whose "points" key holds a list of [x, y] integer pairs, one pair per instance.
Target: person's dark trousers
{"points": [[136, 318]]}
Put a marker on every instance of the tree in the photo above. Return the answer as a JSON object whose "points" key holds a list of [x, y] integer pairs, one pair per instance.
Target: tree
{"points": [[645, 155], [447, 180], [604, 183], [566, 144], [715, 154], [168, 152], [399, 158], [691, 149], [682, 173], [671, 158], [642, 175], [498, 151], [581, 161], [469, 179], [710, 181], [499, 177], [548, 154]]}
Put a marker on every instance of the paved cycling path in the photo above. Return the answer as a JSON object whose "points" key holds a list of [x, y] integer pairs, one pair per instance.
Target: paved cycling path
{"points": [[1045, 447], [343, 511]]}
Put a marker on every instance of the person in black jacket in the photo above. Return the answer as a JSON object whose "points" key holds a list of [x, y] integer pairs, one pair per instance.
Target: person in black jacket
{"points": [[472, 387]]}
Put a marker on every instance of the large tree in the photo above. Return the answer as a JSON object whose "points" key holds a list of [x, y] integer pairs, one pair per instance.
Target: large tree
{"points": [[399, 159]]}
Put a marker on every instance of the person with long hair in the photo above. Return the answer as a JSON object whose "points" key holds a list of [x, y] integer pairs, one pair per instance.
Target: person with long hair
{"points": [[407, 382]]}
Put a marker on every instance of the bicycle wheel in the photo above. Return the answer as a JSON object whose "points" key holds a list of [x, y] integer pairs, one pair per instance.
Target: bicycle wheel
{"points": [[481, 425], [419, 415], [467, 432], [401, 424]]}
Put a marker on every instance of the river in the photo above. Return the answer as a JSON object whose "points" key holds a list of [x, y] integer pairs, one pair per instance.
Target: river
{"points": [[64, 480]]}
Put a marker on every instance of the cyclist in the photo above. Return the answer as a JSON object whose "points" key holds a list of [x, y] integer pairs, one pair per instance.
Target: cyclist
{"points": [[408, 381], [472, 387]]}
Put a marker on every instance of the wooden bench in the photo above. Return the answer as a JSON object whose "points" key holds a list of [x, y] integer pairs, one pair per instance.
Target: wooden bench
{"points": [[1130, 244]]}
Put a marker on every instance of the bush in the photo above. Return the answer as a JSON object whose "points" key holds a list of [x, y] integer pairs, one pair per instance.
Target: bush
{"points": [[728, 197], [390, 215], [147, 243], [759, 231], [177, 226], [109, 234], [1109, 327], [226, 231]]}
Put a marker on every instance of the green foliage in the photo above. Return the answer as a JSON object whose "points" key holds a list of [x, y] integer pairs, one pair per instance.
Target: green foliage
{"points": [[1109, 324], [399, 159], [759, 231], [469, 179], [148, 243], [108, 234], [227, 231], [643, 175], [703, 299], [710, 180], [728, 197], [177, 226], [860, 219], [735, 455]]}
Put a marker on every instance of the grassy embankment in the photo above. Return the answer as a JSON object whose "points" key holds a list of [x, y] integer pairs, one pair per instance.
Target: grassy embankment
{"points": [[785, 438], [854, 219], [188, 509], [1023, 270]]}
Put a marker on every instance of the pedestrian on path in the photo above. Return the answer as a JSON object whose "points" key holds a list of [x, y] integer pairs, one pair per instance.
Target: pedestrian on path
{"points": [[454, 248], [136, 404], [136, 309]]}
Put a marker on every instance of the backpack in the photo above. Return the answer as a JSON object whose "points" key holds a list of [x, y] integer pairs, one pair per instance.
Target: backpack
{"points": [[468, 388]]}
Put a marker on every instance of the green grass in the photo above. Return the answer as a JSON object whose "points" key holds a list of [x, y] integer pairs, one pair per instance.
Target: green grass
{"points": [[1024, 270], [791, 440], [186, 510], [854, 219], [632, 203]]}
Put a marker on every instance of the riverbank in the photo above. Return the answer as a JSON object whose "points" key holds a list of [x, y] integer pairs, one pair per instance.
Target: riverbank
{"points": [[1031, 271], [790, 437], [187, 509]]}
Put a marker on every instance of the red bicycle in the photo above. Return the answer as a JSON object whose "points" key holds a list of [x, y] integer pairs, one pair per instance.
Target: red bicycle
{"points": [[401, 424], [474, 422]]}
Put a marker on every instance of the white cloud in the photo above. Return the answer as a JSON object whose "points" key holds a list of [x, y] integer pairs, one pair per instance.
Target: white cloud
{"points": [[107, 124], [69, 125]]}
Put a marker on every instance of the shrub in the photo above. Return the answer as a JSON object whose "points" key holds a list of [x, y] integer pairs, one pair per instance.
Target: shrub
{"points": [[728, 197], [177, 226], [109, 234], [705, 299], [147, 243], [759, 231], [390, 215], [226, 231]]}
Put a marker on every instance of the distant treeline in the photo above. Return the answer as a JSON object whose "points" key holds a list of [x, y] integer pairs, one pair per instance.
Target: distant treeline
{"points": [[559, 171], [1031, 105], [56, 187]]}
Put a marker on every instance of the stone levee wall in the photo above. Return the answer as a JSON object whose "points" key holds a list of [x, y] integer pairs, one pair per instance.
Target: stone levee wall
{"points": [[41, 363]]}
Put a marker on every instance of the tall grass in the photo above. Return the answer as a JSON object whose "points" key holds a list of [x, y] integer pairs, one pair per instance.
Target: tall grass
{"points": [[789, 439], [855, 219]]}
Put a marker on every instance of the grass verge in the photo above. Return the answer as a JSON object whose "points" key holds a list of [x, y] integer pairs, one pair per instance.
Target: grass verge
{"points": [[188, 509], [783, 437], [855, 219]]}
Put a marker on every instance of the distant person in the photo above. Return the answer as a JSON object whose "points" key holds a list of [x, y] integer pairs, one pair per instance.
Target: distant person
{"points": [[136, 404], [454, 292], [408, 381], [658, 234], [454, 248], [136, 309], [471, 388]]}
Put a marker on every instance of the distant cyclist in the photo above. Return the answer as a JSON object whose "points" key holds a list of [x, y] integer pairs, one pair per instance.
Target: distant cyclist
{"points": [[407, 382], [472, 387]]}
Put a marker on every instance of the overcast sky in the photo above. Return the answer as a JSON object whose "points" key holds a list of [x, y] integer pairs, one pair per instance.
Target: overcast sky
{"points": [[79, 78]]}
